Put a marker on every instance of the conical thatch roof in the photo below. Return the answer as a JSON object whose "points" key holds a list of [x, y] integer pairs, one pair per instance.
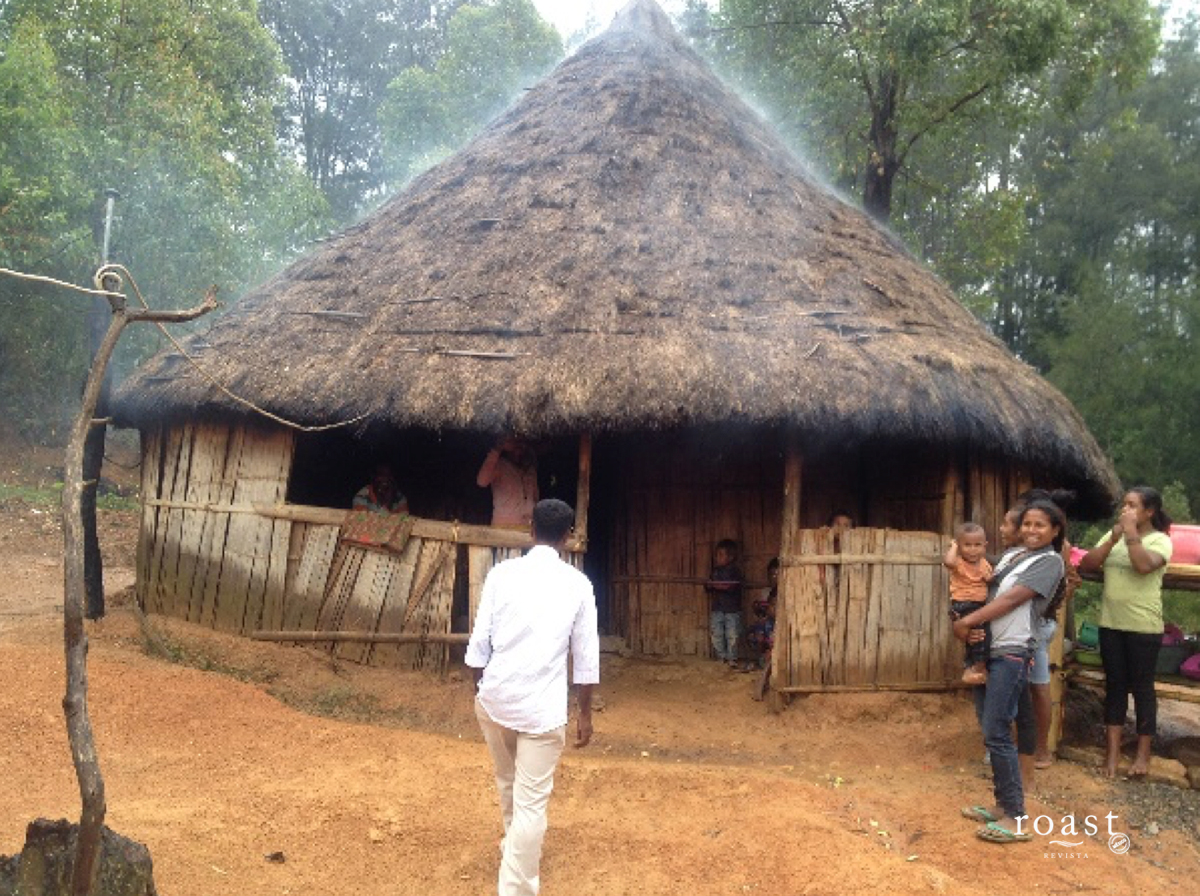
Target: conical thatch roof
{"points": [[649, 255]]}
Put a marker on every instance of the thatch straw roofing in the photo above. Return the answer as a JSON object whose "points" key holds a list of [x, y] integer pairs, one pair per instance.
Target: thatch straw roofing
{"points": [[652, 256]]}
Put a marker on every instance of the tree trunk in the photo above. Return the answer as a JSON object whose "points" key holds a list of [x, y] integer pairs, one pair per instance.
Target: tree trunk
{"points": [[79, 725], [883, 162]]}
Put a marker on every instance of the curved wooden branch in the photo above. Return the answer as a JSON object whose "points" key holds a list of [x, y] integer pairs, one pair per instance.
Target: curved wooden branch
{"points": [[79, 726]]}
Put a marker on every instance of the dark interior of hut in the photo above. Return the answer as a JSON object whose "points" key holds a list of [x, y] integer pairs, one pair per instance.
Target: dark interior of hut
{"points": [[437, 474]]}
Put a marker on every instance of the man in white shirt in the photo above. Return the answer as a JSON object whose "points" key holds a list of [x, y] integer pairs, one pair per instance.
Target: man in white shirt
{"points": [[532, 611]]}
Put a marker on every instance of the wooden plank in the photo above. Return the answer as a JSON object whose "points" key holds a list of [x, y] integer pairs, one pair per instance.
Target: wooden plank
{"points": [[233, 580], [1093, 678], [876, 595], [395, 605], [151, 484], [857, 586], [216, 534], [365, 603], [307, 590], [275, 574], [792, 473], [364, 637], [343, 576], [479, 564], [272, 460], [275, 597], [583, 490], [436, 653], [208, 451], [175, 484]]}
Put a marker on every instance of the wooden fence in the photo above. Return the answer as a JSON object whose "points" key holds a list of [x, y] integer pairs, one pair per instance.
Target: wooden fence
{"points": [[219, 547], [869, 612]]}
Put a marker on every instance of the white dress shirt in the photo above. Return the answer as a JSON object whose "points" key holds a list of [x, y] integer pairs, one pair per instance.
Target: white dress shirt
{"points": [[532, 609]]}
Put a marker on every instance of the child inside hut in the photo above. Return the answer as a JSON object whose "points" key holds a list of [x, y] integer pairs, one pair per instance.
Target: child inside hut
{"points": [[761, 634], [969, 576], [725, 588]]}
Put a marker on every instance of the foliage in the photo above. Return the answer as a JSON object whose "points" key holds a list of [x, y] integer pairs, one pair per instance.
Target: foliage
{"points": [[861, 84], [340, 56], [171, 103], [493, 50]]}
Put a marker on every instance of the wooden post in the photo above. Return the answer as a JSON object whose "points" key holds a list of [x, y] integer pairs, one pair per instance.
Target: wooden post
{"points": [[79, 726], [791, 493], [584, 490], [789, 524]]}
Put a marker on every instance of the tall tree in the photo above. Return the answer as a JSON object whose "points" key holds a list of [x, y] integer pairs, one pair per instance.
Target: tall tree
{"points": [[171, 103], [341, 55], [860, 83], [493, 49]]}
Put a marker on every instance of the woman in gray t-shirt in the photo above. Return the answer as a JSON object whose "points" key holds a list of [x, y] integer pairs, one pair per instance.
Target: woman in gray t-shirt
{"points": [[1024, 580]]}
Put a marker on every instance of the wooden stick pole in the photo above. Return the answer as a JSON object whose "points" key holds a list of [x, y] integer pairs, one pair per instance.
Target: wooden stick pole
{"points": [[363, 637], [79, 726], [583, 491], [948, 685], [792, 469]]}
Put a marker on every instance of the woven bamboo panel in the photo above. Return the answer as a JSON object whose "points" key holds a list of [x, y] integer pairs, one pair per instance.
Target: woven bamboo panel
{"points": [[864, 621]]}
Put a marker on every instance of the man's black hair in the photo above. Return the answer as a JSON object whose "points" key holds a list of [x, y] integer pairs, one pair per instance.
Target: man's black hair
{"points": [[552, 520]]}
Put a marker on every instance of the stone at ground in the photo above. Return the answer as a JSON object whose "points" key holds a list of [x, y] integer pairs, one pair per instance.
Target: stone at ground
{"points": [[43, 867]]}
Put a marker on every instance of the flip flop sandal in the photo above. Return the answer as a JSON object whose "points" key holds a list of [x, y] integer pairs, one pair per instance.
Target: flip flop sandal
{"points": [[997, 833], [979, 813]]}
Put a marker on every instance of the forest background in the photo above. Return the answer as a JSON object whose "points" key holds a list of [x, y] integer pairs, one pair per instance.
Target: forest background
{"points": [[1043, 156]]}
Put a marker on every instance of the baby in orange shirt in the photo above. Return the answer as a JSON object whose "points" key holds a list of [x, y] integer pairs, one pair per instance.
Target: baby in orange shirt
{"points": [[970, 574]]}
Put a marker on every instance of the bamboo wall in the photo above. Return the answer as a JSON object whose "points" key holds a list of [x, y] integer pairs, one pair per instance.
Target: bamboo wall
{"points": [[218, 546], [226, 570], [874, 613], [677, 496], [675, 499]]}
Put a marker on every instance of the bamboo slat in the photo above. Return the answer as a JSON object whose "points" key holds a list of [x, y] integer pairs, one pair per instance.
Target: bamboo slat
{"points": [[365, 602], [949, 684], [147, 534], [848, 558], [217, 532], [1092, 678], [307, 589], [395, 604], [583, 490], [204, 483], [307, 637], [479, 563], [856, 586], [273, 460], [175, 465]]}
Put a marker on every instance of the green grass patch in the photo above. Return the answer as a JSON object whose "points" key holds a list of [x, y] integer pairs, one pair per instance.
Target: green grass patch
{"points": [[49, 496]]}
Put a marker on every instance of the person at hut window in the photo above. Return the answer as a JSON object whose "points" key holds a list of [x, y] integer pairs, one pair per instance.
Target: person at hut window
{"points": [[381, 494], [533, 611], [724, 585], [510, 470], [839, 521]]}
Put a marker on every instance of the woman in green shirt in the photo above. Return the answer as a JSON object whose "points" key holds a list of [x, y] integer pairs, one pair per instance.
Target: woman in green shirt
{"points": [[1134, 556]]}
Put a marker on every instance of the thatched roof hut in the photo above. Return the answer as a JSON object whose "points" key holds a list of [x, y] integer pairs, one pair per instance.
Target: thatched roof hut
{"points": [[630, 249]]}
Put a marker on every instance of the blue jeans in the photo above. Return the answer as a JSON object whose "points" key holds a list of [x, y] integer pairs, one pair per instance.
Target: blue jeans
{"points": [[725, 629], [996, 708]]}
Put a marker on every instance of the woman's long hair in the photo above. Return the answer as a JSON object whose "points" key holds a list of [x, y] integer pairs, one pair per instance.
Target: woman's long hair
{"points": [[1152, 500]]}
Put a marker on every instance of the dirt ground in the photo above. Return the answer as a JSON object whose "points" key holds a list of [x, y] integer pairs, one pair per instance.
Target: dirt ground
{"points": [[253, 768]]}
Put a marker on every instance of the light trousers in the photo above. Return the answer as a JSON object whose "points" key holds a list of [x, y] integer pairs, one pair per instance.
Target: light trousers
{"points": [[525, 765]]}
